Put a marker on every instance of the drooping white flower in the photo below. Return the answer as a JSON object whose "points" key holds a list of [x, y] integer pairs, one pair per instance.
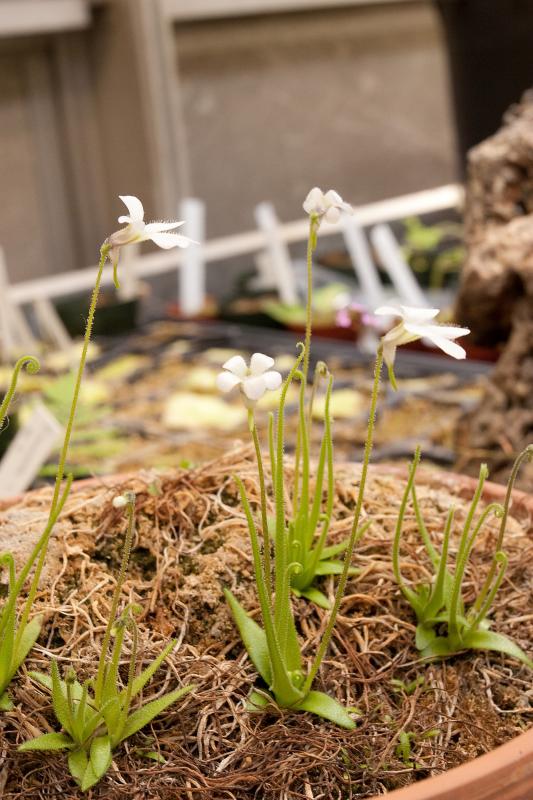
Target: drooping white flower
{"points": [[253, 381], [328, 206], [416, 323], [137, 230]]}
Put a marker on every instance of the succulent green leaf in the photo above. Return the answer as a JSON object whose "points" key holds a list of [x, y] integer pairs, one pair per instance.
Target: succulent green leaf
{"points": [[315, 596], [48, 741], [76, 688], [89, 778], [146, 713], [425, 634], [6, 704], [111, 712], [333, 568], [488, 640], [257, 701], [253, 637], [27, 640], [438, 648], [327, 707], [141, 680], [77, 764], [100, 756], [59, 699]]}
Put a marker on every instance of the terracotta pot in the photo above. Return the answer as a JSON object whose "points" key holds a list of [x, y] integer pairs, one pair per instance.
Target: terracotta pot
{"points": [[505, 773]]}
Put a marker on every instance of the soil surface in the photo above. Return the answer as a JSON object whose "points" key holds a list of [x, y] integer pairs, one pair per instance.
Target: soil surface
{"points": [[414, 719]]}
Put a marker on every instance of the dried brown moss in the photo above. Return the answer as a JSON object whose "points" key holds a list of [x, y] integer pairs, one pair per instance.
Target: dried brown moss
{"points": [[190, 543]]}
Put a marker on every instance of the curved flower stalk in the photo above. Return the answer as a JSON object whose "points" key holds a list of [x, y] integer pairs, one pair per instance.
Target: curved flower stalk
{"points": [[15, 637], [416, 323], [96, 716], [440, 603]]}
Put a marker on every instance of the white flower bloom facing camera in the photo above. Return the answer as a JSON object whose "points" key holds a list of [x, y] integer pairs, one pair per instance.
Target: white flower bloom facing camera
{"points": [[253, 381], [328, 206], [137, 230], [417, 323]]}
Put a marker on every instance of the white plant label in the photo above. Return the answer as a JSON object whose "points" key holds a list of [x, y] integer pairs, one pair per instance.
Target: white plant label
{"points": [[28, 451]]}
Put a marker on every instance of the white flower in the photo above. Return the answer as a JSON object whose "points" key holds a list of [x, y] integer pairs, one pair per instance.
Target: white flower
{"points": [[137, 230], [328, 206], [416, 323], [253, 381]]}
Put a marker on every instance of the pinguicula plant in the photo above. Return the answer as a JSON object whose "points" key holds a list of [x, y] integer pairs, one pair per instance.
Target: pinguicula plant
{"points": [[18, 633], [97, 716], [445, 626], [291, 550]]}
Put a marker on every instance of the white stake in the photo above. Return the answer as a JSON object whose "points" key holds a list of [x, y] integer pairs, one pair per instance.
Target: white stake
{"points": [[365, 269], [192, 278], [28, 451], [391, 256], [278, 253]]}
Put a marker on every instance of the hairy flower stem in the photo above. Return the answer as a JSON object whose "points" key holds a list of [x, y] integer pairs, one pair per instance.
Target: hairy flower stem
{"points": [[130, 530], [32, 366], [324, 644], [525, 455], [314, 222], [58, 500], [267, 571]]}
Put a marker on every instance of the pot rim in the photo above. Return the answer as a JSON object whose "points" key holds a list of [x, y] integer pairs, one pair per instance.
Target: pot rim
{"points": [[505, 773]]}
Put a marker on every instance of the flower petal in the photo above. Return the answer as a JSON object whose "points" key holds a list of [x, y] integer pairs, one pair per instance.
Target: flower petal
{"points": [[159, 227], [226, 381], [411, 314], [255, 387], [388, 311], [451, 348], [169, 240], [134, 206], [124, 219], [237, 365], [333, 198], [389, 352], [314, 202], [332, 215], [260, 363], [272, 380], [451, 331]]}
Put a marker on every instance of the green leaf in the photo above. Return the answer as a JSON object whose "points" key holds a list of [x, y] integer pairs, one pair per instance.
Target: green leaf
{"points": [[487, 640], [253, 637], [257, 701], [333, 568], [155, 756], [76, 688], [315, 596], [327, 707], [141, 680], [89, 778], [439, 648], [110, 711], [27, 640], [6, 703], [77, 764], [48, 741], [92, 723], [59, 699], [100, 755], [425, 634], [146, 713]]}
